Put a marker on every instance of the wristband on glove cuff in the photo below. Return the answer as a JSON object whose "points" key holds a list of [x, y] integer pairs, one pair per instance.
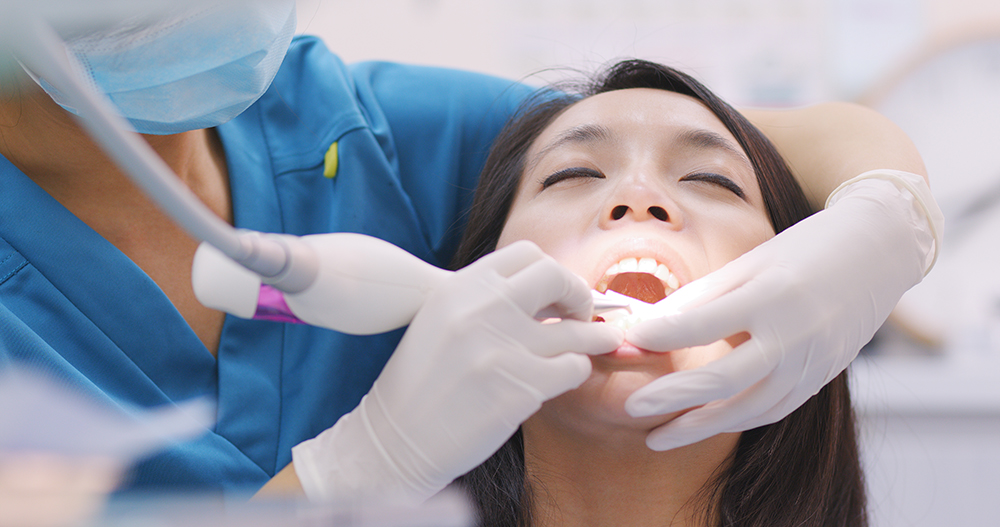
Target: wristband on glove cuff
{"points": [[913, 188]]}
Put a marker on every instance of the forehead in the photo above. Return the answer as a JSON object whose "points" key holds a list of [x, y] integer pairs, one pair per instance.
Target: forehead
{"points": [[648, 111]]}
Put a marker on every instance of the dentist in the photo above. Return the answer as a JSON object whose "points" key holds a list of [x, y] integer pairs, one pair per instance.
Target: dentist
{"points": [[276, 134]]}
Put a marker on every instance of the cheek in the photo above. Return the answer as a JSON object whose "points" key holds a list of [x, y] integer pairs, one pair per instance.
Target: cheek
{"points": [[520, 225], [552, 231], [691, 358], [738, 238]]}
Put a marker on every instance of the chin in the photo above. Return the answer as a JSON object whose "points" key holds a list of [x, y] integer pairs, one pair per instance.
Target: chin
{"points": [[597, 407]]}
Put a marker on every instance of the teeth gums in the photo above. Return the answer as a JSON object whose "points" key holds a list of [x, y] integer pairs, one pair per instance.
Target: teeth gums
{"points": [[646, 265], [640, 310], [666, 277]]}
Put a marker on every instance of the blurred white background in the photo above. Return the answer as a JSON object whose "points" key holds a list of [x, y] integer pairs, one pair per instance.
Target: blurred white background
{"points": [[928, 389], [772, 52]]}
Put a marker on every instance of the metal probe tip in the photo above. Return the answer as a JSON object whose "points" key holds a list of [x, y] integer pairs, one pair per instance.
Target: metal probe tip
{"points": [[603, 304]]}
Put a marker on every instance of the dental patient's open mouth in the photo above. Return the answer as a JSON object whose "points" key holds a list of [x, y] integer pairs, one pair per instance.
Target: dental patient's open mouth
{"points": [[643, 279], [640, 278]]}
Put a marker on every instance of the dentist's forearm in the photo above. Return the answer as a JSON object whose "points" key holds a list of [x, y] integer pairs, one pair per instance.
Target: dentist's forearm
{"points": [[284, 484], [826, 144]]}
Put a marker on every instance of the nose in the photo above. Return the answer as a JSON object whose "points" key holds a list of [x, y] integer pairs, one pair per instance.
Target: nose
{"points": [[635, 201], [655, 211]]}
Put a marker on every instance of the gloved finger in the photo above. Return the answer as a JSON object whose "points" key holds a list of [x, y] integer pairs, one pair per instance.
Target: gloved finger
{"points": [[572, 370], [729, 415], [546, 283], [692, 427], [510, 259], [710, 287], [795, 397], [553, 376], [727, 315], [778, 411], [719, 379], [571, 336]]}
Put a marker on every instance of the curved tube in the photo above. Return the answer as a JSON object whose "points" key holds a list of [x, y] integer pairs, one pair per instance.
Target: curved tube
{"points": [[288, 265]]}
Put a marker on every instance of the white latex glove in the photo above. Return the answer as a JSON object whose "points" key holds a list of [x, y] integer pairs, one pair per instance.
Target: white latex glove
{"points": [[810, 298], [472, 366]]}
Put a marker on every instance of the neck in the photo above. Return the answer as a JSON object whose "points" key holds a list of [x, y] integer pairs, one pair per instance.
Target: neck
{"points": [[46, 143], [613, 478]]}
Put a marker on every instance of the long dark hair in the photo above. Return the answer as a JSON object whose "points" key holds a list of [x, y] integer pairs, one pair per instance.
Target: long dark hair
{"points": [[801, 471]]}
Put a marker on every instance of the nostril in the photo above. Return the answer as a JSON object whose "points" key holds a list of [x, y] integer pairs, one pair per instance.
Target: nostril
{"points": [[658, 213], [618, 212]]}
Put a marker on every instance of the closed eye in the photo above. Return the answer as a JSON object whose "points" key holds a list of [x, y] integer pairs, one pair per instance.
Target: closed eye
{"points": [[717, 179], [570, 173]]}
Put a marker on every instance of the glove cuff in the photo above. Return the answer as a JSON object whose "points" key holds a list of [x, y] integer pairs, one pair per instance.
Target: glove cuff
{"points": [[927, 219], [348, 463]]}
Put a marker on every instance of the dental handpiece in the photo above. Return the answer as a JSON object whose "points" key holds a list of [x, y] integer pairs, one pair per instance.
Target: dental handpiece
{"points": [[365, 286]]}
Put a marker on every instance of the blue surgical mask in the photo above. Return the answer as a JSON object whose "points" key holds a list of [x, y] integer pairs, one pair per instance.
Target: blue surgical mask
{"points": [[190, 72]]}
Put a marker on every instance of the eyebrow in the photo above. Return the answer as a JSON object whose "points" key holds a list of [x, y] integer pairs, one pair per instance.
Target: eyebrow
{"points": [[592, 133], [585, 133], [708, 140]]}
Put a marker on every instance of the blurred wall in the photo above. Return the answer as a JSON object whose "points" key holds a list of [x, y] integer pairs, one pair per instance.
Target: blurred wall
{"points": [[762, 52]]}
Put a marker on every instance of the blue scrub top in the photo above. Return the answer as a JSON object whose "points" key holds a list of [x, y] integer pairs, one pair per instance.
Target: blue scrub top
{"points": [[411, 142]]}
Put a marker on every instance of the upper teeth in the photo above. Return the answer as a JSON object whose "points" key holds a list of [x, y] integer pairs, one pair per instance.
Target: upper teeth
{"points": [[639, 265]]}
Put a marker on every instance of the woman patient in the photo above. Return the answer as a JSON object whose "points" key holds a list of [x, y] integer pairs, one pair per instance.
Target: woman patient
{"points": [[644, 184]]}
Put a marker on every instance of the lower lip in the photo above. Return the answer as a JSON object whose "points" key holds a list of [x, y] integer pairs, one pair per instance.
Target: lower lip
{"points": [[627, 351]]}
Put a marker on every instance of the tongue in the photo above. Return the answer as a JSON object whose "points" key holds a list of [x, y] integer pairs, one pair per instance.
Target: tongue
{"points": [[640, 286]]}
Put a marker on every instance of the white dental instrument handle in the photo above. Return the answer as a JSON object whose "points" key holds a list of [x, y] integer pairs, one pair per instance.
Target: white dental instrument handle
{"points": [[364, 285], [283, 262]]}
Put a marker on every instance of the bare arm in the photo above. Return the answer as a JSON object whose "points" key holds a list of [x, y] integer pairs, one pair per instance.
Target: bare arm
{"points": [[829, 143], [284, 484]]}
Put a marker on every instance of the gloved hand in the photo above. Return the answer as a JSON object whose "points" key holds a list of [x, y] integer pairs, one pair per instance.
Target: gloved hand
{"points": [[810, 298], [470, 368]]}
